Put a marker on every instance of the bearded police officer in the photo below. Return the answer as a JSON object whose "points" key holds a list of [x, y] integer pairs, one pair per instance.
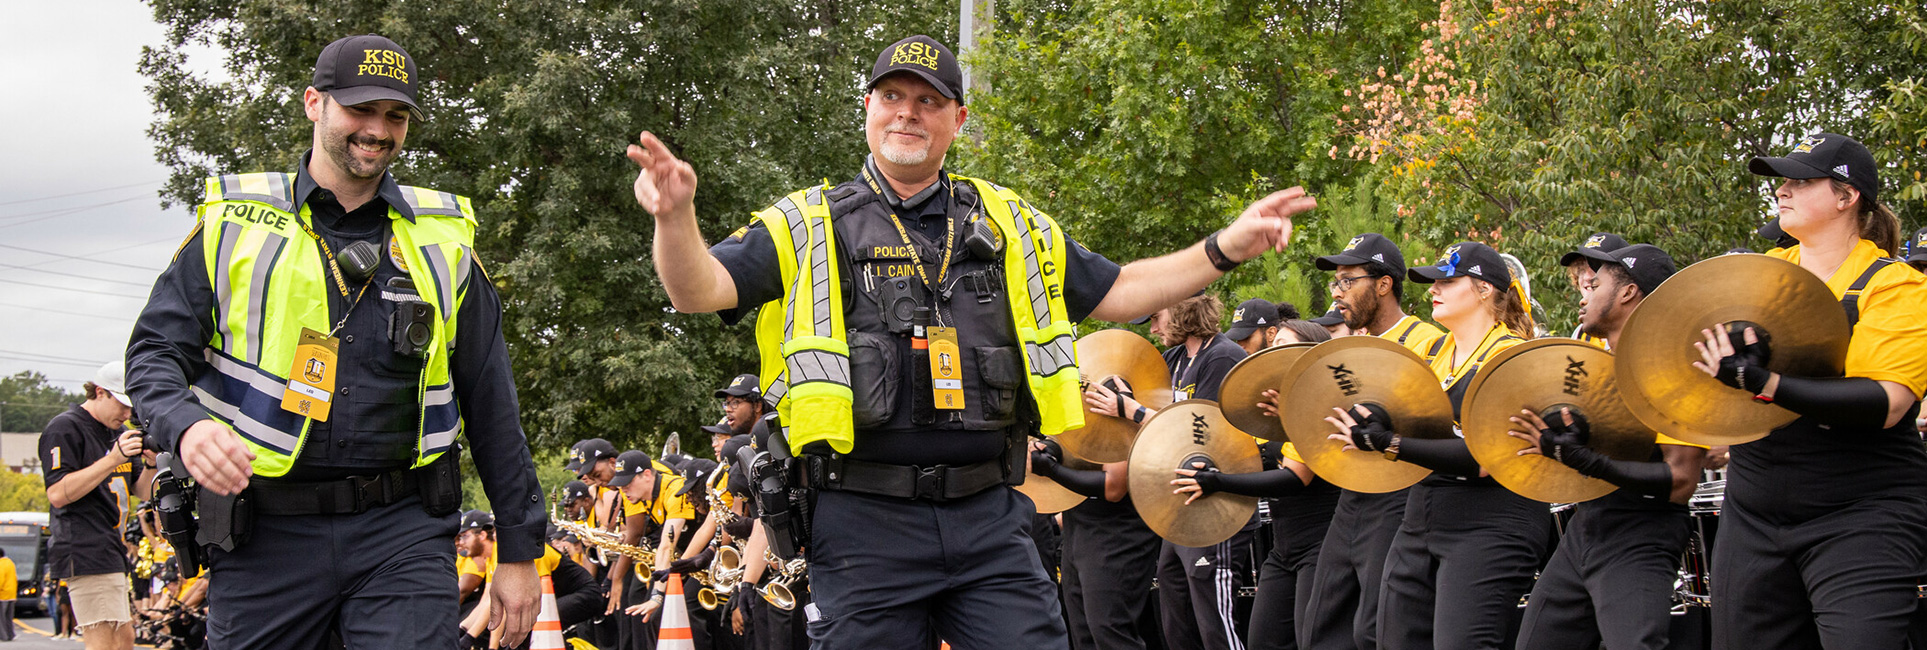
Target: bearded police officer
{"points": [[310, 355], [914, 325]]}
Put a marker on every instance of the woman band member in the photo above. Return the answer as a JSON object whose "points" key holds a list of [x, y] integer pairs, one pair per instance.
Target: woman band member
{"points": [[1467, 548], [1825, 521], [1301, 509]]}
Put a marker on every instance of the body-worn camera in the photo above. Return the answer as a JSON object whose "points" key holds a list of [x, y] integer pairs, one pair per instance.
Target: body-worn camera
{"points": [[899, 299], [412, 327]]}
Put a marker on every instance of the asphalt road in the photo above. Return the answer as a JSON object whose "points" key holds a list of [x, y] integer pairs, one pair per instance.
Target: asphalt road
{"points": [[35, 634]]}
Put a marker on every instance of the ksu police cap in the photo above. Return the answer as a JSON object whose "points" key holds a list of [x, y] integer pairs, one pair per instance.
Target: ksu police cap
{"points": [[924, 57], [1825, 155], [1364, 249], [366, 68]]}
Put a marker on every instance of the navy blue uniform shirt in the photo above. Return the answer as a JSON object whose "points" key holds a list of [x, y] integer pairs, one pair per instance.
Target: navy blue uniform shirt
{"points": [[375, 418]]}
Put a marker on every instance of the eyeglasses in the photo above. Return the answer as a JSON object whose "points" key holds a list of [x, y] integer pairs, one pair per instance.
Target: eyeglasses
{"points": [[1342, 285], [734, 402]]}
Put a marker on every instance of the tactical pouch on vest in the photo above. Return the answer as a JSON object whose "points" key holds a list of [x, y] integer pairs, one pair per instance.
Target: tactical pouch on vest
{"points": [[876, 370], [441, 484], [226, 521]]}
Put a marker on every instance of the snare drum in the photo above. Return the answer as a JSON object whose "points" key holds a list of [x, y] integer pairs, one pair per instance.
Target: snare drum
{"points": [[1708, 498]]}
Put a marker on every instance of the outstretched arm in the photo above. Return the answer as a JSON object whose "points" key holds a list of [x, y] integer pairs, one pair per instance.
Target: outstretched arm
{"points": [[666, 187], [1148, 285]]}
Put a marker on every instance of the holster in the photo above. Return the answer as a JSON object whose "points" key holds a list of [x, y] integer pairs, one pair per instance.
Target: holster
{"points": [[441, 483], [175, 502], [225, 521]]}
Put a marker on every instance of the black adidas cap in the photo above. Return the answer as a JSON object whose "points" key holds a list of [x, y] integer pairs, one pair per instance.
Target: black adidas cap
{"points": [[628, 465], [1648, 264], [1595, 248], [1917, 247], [1252, 315], [474, 519], [1825, 155], [360, 69], [589, 452], [1772, 230], [1331, 318], [1364, 249], [573, 490], [1466, 259], [741, 386], [924, 57]]}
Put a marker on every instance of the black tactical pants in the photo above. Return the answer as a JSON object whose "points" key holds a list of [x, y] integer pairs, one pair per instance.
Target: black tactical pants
{"points": [[1848, 579], [1109, 558], [1461, 561], [1286, 579], [897, 573]]}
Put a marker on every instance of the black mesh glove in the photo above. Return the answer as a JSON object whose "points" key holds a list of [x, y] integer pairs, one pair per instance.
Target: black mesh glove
{"points": [[1745, 369], [1560, 441], [1044, 463], [1209, 481], [1374, 430]]}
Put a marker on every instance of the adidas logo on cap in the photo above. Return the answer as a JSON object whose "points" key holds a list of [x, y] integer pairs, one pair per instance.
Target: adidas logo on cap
{"points": [[1474, 271], [1629, 261], [1841, 170], [1380, 257]]}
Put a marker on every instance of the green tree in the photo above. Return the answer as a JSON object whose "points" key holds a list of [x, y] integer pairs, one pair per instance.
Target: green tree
{"points": [[530, 105], [1144, 125], [1531, 124], [22, 493], [28, 401]]}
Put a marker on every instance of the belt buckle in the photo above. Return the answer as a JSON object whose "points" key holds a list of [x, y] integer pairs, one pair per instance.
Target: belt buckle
{"points": [[929, 483], [362, 497]]}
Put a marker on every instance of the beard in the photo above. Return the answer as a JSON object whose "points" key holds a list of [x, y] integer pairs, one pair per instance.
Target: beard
{"points": [[904, 154], [1359, 315], [340, 150]]}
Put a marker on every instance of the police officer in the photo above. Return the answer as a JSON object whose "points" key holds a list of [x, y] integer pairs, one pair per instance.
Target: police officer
{"points": [[314, 349], [1368, 281], [1611, 577], [922, 435], [1825, 522]]}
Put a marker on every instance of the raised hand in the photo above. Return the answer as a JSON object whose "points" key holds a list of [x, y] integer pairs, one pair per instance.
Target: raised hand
{"points": [[1265, 224], [665, 186]]}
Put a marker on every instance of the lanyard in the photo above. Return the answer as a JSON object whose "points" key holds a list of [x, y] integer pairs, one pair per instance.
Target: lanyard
{"points": [[916, 260], [335, 268]]}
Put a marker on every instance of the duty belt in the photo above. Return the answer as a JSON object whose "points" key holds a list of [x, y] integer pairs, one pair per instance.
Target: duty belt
{"points": [[352, 495], [924, 483]]}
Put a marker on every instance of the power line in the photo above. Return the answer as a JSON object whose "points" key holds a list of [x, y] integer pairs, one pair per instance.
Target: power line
{"points": [[44, 310], [90, 260], [59, 212], [58, 363], [49, 356], [60, 288], [80, 193], [76, 275]]}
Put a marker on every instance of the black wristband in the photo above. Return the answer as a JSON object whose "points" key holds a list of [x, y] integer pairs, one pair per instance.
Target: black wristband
{"points": [[1216, 254]]}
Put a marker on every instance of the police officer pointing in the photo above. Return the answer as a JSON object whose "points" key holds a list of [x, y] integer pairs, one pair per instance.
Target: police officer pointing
{"points": [[311, 354], [914, 326]]}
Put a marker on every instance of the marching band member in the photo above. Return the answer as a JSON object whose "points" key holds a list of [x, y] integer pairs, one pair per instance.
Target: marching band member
{"points": [[1825, 522], [1467, 549]]}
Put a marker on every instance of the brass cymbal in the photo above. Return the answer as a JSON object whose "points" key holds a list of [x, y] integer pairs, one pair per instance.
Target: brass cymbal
{"points": [[1048, 495], [1542, 375], [1353, 370], [1244, 386], [1102, 354], [1180, 433], [1806, 329]]}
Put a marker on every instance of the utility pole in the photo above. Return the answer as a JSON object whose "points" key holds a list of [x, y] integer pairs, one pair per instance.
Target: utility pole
{"points": [[975, 20]]}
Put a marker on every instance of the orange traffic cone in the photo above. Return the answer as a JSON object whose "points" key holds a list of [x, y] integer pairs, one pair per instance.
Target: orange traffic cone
{"points": [[547, 634], [675, 633]]}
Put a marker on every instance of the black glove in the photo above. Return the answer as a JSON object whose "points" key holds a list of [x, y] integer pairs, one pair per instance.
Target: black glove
{"points": [[1560, 441], [1745, 369], [1374, 429], [1089, 483], [1209, 481]]}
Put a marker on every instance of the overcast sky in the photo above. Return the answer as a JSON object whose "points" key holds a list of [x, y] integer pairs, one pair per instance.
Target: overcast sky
{"points": [[82, 234]]}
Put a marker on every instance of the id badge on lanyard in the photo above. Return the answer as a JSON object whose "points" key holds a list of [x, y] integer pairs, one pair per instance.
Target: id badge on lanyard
{"points": [[311, 383]]}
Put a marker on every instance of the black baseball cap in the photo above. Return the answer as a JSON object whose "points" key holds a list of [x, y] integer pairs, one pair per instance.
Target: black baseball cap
{"points": [[360, 69], [924, 57], [1331, 317], [721, 427], [1771, 230], [733, 446], [1917, 247], [741, 386], [1364, 249], [1648, 264], [573, 490], [592, 451], [695, 473], [1596, 248], [1252, 315], [1466, 259], [474, 519], [628, 465], [1825, 155]]}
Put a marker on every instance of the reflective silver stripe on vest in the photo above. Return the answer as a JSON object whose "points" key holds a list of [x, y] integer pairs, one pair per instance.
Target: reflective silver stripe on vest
{"points": [[1034, 274], [1043, 226], [271, 248], [223, 287], [806, 366], [1051, 356], [277, 186], [799, 240], [261, 434], [820, 276], [438, 270], [440, 398], [777, 389], [260, 381]]}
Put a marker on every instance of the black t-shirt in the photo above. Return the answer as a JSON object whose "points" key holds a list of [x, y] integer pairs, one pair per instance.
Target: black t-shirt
{"points": [[86, 533], [750, 256], [1199, 377]]}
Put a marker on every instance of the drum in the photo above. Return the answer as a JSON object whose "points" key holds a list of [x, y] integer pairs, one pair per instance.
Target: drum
{"points": [[1695, 586]]}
